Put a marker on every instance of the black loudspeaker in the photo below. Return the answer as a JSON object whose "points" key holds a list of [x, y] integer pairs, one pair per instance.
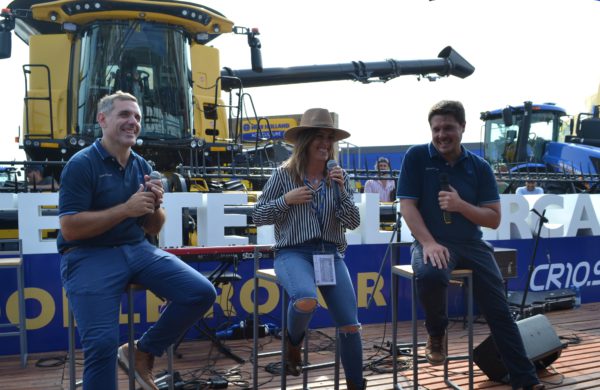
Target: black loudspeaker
{"points": [[542, 347]]}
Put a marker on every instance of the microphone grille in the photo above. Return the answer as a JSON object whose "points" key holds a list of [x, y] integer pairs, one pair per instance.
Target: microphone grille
{"points": [[331, 164], [155, 175]]}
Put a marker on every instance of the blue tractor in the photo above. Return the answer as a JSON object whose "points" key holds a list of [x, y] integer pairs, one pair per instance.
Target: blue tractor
{"points": [[540, 142]]}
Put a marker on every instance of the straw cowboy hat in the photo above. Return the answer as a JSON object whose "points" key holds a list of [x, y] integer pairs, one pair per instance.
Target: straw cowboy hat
{"points": [[315, 118]]}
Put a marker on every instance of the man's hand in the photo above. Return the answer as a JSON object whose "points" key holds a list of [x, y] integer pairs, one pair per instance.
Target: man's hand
{"points": [[155, 187], [487, 215], [298, 195], [141, 203], [438, 255], [450, 200]]}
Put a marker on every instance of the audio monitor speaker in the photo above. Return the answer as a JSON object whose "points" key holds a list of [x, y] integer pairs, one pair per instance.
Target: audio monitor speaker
{"points": [[542, 347]]}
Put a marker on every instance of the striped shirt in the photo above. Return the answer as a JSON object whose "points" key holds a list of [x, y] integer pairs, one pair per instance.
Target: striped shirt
{"points": [[298, 223]]}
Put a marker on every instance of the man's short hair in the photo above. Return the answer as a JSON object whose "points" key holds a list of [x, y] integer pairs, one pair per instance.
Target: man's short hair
{"points": [[453, 108], [106, 104]]}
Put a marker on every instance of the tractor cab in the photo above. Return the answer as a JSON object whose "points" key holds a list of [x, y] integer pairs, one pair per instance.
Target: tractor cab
{"points": [[519, 135]]}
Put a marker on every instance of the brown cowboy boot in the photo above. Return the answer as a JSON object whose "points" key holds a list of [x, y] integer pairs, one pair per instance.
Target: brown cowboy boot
{"points": [[293, 360]]}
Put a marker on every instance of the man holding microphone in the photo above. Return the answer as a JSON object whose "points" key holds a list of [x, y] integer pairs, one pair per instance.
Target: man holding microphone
{"points": [[109, 200], [446, 193]]}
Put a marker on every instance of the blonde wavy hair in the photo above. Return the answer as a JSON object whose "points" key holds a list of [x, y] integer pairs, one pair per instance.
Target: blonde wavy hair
{"points": [[297, 162]]}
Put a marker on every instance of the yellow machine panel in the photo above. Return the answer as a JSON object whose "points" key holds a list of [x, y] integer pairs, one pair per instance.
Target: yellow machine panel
{"points": [[209, 123], [49, 55]]}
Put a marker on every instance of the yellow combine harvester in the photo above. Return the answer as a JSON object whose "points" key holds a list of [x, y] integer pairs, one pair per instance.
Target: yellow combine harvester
{"points": [[158, 51]]}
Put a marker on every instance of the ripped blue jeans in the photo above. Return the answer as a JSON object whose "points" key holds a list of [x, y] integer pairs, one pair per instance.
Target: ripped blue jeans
{"points": [[295, 272]]}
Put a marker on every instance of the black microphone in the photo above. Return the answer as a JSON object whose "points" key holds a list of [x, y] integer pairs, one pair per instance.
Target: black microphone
{"points": [[445, 186], [336, 190]]}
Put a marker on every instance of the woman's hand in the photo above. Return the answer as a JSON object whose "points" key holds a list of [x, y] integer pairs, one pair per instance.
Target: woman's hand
{"points": [[336, 174], [298, 195]]}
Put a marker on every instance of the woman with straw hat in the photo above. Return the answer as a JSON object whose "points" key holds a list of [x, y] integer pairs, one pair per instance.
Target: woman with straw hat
{"points": [[311, 206]]}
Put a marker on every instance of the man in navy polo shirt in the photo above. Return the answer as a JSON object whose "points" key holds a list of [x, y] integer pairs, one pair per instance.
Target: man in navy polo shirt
{"points": [[446, 193], [107, 204]]}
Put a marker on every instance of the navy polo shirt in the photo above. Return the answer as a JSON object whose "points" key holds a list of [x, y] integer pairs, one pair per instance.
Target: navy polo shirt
{"points": [[93, 180], [471, 177]]}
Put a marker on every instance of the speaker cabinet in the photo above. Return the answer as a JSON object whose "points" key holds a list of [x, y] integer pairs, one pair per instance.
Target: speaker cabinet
{"points": [[542, 347]]}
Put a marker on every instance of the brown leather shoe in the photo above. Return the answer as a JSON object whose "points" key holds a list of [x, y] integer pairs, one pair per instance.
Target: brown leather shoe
{"points": [[435, 350], [293, 361], [144, 362]]}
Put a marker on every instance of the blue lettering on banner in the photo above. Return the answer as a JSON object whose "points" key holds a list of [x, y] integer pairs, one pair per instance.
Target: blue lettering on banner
{"points": [[264, 134], [250, 130]]}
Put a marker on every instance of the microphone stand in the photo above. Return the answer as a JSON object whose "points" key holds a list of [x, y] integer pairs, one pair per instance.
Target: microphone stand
{"points": [[541, 222], [395, 243], [395, 257], [395, 234]]}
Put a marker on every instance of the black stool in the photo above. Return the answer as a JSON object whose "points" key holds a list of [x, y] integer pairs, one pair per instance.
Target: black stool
{"points": [[131, 288], [269, 275], [406, 271], [16, 262]]}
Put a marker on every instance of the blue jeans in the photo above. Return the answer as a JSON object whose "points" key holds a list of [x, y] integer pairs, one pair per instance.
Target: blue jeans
{"points": [[95, 279], [488, 292], [295, 272]]}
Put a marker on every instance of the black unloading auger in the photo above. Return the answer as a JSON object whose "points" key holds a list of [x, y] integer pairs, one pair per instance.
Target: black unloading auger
{"points": [[448, 63]]}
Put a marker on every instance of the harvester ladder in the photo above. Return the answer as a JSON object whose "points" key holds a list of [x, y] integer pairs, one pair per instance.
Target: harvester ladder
{"points": [[27, 69]]}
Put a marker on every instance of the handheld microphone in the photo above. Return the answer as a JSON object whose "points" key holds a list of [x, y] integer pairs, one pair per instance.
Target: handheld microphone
{"points": [[154, 175], [336, 190], [445, 186]]}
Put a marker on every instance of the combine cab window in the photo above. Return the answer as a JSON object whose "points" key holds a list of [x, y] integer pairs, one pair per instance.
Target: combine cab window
{"points": [[151, 62]]}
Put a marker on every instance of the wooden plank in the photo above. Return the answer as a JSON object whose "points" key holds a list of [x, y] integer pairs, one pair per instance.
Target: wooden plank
{"points": [[578, 367]]}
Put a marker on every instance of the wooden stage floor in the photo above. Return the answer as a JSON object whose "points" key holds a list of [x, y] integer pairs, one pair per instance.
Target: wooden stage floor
{"points": [[577, 368]]}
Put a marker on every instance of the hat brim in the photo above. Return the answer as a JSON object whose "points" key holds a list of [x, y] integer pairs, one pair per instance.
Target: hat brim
{"points": [[291, 136]]}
